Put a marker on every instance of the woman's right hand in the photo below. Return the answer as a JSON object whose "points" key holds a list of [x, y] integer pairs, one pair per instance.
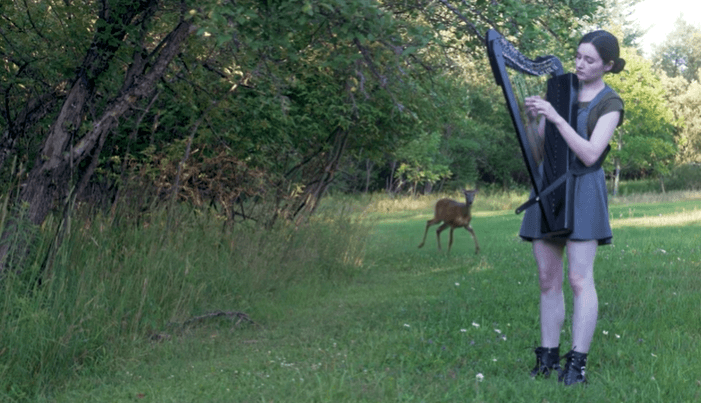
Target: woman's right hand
{"points": [[531, 110]]}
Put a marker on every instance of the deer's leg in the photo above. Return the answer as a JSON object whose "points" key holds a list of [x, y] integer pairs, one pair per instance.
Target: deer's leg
{"points": [[438, 234], [428, 224], [472, 232], [450, 243]]}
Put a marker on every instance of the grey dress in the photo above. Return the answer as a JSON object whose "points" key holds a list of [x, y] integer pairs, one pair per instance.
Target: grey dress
{"points": [[591, 217]]}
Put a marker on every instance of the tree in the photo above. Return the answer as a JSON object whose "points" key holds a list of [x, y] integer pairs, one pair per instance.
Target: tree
{"points": [[684, 99], [617, 13], [680, 53], [68, 142], [644, 144]]}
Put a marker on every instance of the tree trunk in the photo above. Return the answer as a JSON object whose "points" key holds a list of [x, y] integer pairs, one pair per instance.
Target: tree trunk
{"points": [[34, 111], [51, 175], [617, 174], [390, 181], [316, 188], [368, 171]]}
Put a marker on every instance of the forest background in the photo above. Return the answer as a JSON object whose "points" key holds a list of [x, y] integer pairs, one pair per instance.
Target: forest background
{"points": [[260, 108]]}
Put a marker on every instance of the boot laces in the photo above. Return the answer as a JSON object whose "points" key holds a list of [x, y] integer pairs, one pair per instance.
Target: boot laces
{"points": [[575, 366]]}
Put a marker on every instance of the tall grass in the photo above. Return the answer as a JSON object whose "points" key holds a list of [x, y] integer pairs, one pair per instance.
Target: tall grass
{"points": [[420, 325], [346, 309], [112, 285]]}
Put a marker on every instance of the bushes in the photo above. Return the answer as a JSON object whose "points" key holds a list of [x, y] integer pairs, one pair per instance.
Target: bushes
{"points": [[684, 177]]}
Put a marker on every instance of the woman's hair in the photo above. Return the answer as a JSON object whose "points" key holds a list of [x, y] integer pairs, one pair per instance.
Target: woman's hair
{"points": [[607, 46]]}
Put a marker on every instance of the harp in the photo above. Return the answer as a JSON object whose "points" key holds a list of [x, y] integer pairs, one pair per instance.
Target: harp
{"points": [[553, 187]]}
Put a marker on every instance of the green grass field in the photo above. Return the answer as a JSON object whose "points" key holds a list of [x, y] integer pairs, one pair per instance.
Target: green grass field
{"points": [[393, 324]]}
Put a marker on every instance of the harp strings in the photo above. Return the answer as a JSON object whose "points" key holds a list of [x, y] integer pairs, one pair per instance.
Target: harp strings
{"points": [[525, 86]]}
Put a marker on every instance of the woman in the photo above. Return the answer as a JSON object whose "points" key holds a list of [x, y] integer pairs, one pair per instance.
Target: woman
{"points": [[600, 112]]}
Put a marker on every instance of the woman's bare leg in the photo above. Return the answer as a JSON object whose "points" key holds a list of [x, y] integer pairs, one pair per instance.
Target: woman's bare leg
{"points": [[548, 256], [580, 257]]}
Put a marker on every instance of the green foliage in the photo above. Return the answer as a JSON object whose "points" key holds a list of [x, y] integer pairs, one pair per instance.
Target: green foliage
{"points": [[41, 46], [381, 76], [299, 93], [684, 177], [619, 13], [421, 164], [684, 99], [644, 144]]}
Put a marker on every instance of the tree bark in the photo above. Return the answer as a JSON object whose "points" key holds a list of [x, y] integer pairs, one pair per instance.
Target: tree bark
{"points": [[34, 110]]}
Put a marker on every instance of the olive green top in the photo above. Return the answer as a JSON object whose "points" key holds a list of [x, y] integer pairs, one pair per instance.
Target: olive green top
{"points": [[610, 102]]}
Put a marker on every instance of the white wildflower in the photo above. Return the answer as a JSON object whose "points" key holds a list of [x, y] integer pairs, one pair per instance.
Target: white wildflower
{"points": [[479, 377], [498, 331], [605, 332], [475, 324], [406, 325], [463, 330]]}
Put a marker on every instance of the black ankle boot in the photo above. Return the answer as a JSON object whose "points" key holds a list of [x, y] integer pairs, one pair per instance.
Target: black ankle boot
{"points": [[574, 368], [547, 360]]}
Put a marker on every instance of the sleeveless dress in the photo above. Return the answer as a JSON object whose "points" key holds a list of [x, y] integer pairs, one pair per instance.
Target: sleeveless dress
{"points": [[591, 217]]}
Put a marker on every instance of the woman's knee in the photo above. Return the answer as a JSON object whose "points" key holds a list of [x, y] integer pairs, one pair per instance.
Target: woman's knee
{"points": [[580, 283], [550, 280]]}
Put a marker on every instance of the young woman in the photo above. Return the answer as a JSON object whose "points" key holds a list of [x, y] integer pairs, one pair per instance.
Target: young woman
{"points": [[600, 112]]}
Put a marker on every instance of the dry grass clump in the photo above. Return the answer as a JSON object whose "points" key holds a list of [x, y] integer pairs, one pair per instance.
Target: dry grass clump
{"points": [[653, 197], [484, 201]]}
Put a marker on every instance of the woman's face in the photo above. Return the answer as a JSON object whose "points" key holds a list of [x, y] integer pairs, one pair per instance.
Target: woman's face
{"points": [[590, 67]]}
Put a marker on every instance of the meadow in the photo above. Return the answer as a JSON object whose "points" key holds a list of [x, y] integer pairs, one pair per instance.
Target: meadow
{"points": [[347, 309]]}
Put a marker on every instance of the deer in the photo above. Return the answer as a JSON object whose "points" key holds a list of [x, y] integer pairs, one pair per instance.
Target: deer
{"points": [[453, 214]]}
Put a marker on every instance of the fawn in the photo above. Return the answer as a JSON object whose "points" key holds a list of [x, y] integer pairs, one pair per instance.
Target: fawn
{"points": [[453, 214]]}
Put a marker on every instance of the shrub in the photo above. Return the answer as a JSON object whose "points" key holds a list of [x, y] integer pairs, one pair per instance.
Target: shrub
{"points": [[684, 177]]}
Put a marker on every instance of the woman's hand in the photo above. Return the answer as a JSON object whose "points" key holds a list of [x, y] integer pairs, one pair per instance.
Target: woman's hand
{"points": [[536, 105]]}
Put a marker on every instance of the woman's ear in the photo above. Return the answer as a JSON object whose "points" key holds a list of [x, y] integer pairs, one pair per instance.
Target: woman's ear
{"points": [[608, 66]]}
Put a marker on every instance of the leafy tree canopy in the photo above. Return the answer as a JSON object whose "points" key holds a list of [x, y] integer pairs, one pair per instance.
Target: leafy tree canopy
{"points": [[645, 141], [680, 53]]}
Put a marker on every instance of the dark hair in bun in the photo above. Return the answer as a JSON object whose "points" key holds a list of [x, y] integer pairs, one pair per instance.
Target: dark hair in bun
{"points": [[607, 46]]}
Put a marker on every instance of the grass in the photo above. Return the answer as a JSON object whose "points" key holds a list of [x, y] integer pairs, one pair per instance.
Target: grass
{"points": [[347, 312]]}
